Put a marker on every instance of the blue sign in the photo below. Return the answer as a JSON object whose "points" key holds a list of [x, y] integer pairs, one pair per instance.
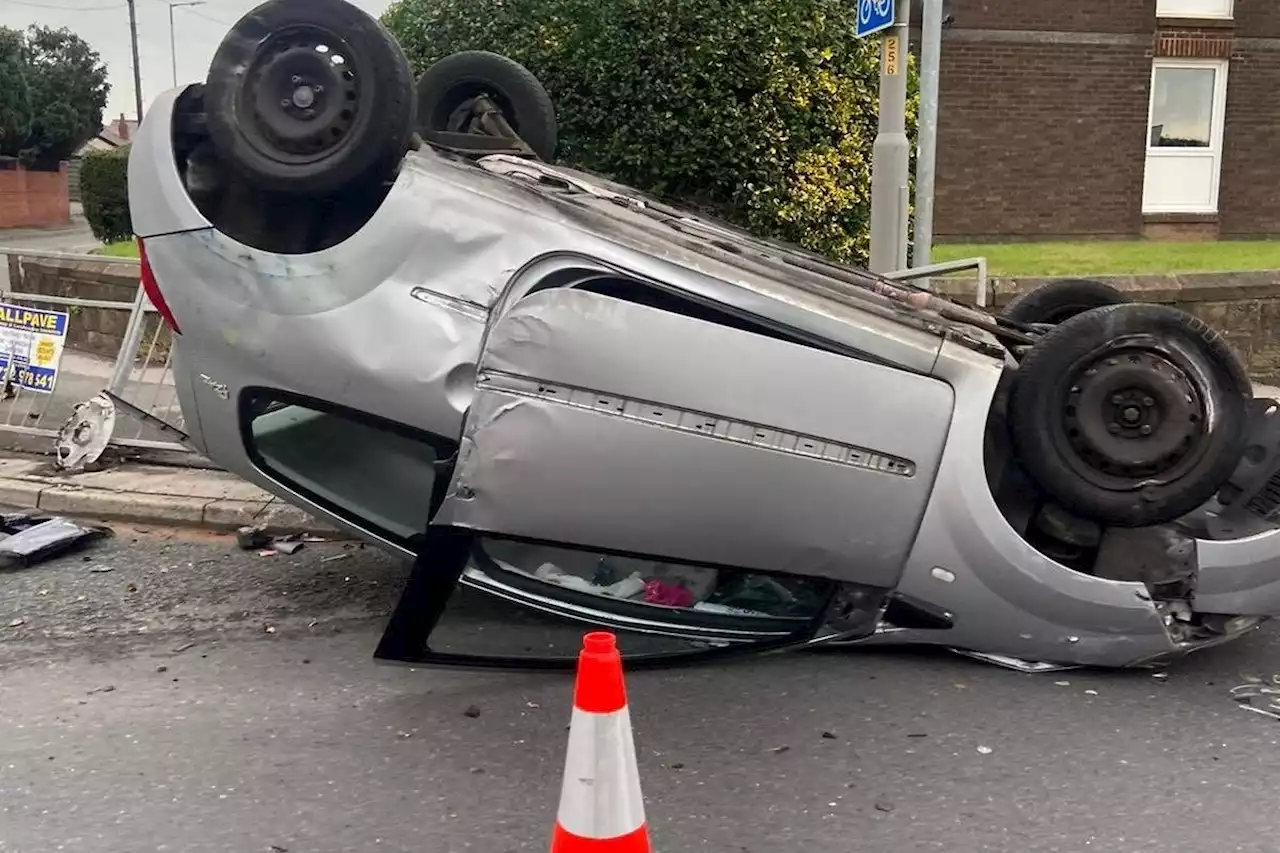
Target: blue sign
{"points": [[874, 16]]}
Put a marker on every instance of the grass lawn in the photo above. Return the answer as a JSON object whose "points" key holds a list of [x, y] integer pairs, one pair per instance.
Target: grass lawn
{"points": [[123, 249], [1102, 257]]}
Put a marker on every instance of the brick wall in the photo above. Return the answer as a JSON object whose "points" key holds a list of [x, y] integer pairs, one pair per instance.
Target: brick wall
{"points": [[97, 330], [1043, 119], [1033, 141], [33, 199], [1249, 194], [1095, 16]]}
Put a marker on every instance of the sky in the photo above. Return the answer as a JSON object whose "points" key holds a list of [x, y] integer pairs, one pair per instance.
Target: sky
{"points": [[104, 24]]}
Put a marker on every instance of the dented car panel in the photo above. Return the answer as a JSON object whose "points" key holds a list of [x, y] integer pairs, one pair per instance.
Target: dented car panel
{"points": [[721, 464], [546, 365]]}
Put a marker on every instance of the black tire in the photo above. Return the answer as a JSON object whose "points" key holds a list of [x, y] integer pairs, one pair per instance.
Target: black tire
{"points": [[361, 109], [452, 81], [1061, 300], [1075, 433]]}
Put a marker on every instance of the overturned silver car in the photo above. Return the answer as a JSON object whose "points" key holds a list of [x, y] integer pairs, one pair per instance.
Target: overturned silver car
{"points": [[575, 406]]}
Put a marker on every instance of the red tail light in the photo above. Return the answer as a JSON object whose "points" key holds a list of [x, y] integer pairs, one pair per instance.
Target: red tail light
{"points": [[152, 289]]}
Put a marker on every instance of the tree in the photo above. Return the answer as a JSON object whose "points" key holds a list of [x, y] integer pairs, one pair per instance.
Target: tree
{"points": [[15, 94], [760, 111], [67, 89]]}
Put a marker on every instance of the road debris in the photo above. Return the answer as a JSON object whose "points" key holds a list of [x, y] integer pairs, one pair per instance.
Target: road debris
{"points": [[984, 750], [184, 647], [85, 435], [27, 538], [829, 735], [110, 688], [1258, 698], [333, 558], [1091, 693], [472, 712], [287, 546], [17, 623], [250, 538], [883, 806], [101, 569]]}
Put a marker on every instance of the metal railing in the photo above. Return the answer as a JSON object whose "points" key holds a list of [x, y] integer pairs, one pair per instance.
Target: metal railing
{"points": [[139, 372], [929, 271]]}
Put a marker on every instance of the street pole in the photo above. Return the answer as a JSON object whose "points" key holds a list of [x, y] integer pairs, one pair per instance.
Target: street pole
{"points": [[137, 68], [891, 153], [927, 155], [173, 48]]}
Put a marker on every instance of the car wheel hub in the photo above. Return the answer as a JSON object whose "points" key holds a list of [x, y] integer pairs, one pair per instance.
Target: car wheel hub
{"points": [[1131, 417], [303, 95]]}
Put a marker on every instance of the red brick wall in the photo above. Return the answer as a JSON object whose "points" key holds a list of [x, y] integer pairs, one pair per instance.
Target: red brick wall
{"points": [[1257, 18], [32, 199], [1041, 140], [1091, 16], [1044, 110], [1249, 192]]}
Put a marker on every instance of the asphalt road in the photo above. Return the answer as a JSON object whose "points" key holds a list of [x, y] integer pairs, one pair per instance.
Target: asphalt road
{"points": [[196, 698]]}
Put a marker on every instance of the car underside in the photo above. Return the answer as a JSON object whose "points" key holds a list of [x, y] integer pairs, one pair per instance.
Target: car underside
{"points": [[594, 408]]}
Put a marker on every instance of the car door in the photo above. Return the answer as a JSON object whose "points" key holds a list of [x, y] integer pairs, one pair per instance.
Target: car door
{"points": [[683, 449]]}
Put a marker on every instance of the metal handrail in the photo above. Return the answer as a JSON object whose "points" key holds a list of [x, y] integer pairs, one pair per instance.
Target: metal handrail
{"points": [[979, 264]]}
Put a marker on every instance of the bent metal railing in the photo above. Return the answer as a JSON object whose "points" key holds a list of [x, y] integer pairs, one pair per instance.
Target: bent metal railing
{"points": [[138, 373], [983, 293]]}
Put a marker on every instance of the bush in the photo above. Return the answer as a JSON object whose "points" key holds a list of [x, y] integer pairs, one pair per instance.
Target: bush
{"points": [[760, 111], [104, 192]]}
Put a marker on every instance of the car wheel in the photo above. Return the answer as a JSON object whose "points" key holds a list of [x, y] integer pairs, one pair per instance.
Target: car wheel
{"points": [[305, 97], [1060, 300], [448, 87], [1130, 415]]}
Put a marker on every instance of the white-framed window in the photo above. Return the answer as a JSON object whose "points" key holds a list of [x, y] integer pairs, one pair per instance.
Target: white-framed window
{"points": [[1195, 8], [1184, 136]]}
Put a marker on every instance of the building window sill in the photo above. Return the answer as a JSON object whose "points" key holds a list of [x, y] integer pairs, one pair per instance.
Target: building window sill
{"points": [[1179, 218], [1196, 23]]}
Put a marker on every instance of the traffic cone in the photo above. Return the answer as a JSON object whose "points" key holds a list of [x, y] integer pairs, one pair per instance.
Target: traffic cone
{"points": [[601, 808]]}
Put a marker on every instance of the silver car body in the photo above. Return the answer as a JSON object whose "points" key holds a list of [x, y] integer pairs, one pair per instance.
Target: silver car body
{"points": [[830, 434]]}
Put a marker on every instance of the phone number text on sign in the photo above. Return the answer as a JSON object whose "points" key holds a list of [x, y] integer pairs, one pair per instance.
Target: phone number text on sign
{"points": [[31, 343]]}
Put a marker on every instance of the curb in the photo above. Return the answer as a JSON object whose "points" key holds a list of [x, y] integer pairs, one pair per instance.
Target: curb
{"points": [[142, 507]]}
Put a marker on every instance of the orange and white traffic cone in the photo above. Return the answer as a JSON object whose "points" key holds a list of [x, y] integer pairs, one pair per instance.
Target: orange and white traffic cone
{"points": [[601, 808]]}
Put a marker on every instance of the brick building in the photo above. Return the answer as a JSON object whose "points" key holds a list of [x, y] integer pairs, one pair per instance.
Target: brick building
{"points": [[1109, 118]]}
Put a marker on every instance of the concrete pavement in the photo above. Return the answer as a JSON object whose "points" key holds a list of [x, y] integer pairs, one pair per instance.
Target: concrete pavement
{"points": [[200, 699], [159, 494]]}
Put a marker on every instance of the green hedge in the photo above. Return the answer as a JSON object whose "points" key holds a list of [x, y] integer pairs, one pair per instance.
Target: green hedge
{"points": [[104, 192], [760, 111]]}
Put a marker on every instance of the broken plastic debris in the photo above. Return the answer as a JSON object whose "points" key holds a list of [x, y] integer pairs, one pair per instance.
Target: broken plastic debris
{"points": [[984, 750], [1013, 663], [1091, 693], [17, 623], [249, 538], [1258, 698], [334, 558], [287, 546], [48, 538], [86, 433]]}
